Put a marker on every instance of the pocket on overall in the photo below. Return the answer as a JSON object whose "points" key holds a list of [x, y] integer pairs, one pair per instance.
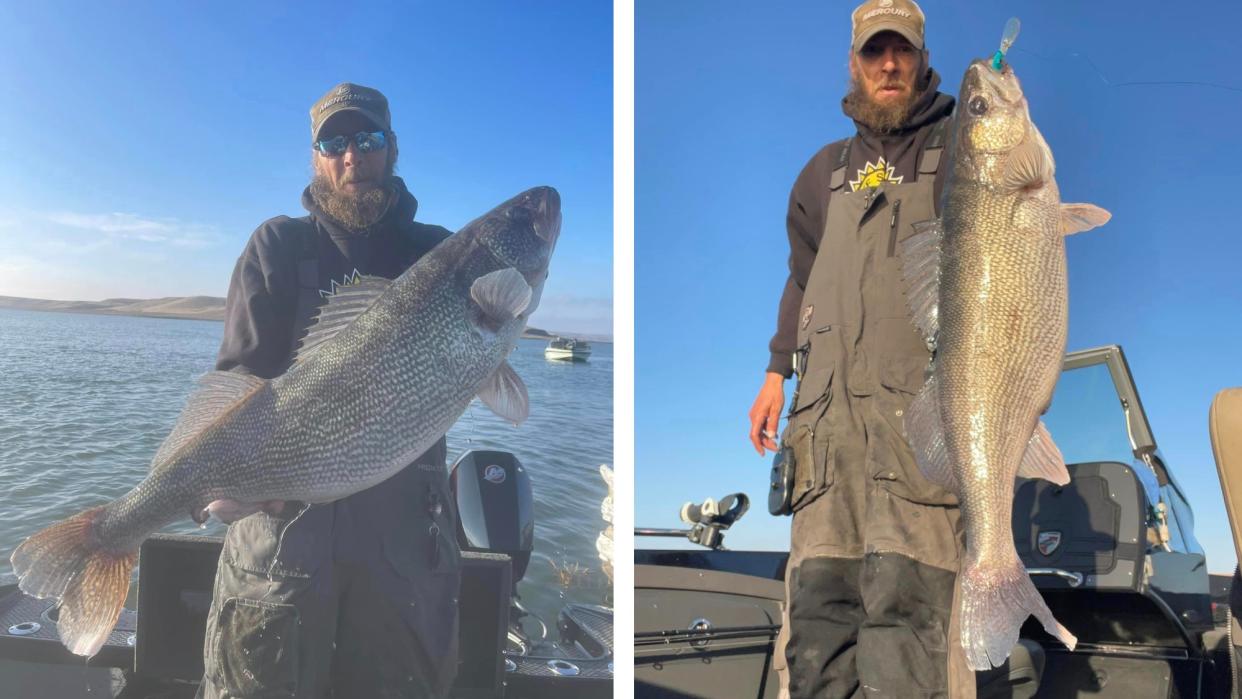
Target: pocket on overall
{"points": [[807, 434], [287, 547], [255, 649], [893, 463]]}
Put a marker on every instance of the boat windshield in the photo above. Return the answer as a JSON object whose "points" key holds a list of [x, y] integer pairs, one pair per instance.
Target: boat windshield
{"points": [[1089, 424]]}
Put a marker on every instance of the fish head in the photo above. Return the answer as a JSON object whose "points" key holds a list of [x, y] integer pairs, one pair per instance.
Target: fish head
{"points": [[993, 125], [522, 233]]}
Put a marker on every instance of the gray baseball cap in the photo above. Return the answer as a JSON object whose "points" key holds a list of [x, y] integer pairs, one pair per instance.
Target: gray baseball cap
{"points": [[368, 101], [875, 16]]}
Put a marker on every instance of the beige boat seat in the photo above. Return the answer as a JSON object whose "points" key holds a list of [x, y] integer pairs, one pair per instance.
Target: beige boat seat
{"points": [[1225, 426]]}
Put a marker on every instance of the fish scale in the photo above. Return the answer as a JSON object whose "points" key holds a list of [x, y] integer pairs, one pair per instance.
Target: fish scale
{"points": [[383, 373], [987, 284]]}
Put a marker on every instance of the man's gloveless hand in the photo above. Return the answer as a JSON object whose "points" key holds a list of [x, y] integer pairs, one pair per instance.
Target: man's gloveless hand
{"points": [[765, 414]]}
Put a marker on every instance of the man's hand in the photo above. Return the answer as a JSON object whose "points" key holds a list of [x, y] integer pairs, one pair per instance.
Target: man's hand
{"points": [[765, 414], [229, 511]]}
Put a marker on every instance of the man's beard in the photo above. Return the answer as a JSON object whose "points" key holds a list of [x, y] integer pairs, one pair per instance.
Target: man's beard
{"points": [[353, 211], [882, 118]]}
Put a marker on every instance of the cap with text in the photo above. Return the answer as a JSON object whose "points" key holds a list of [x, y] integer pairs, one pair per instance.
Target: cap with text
{"points": [[875, 16], [350, 97]]}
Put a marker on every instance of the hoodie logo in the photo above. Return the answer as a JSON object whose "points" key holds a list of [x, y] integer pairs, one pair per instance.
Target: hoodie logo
{"points": [[347, 280], [874, 175]]}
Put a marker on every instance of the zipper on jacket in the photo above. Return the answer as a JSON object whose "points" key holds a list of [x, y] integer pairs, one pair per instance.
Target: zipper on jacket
{"points": [[892, 229]]}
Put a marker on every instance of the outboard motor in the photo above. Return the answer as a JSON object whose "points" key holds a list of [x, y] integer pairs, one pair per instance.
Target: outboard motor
{"points": [[495, 508]]}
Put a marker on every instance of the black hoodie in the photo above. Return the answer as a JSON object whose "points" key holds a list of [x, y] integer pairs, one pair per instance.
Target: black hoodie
{"points": [[261, 313], [808, 201]]}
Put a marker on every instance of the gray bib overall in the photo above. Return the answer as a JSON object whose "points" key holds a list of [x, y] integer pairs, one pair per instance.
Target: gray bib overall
{"points": [[874, 549]]}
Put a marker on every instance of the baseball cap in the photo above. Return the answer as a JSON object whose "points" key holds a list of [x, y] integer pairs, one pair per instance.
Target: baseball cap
{"points": [[875, 16], [350, 97]]}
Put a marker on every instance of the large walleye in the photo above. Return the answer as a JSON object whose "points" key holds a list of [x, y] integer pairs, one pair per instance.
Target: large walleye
{"points": [[385, 370], [987, 285]]}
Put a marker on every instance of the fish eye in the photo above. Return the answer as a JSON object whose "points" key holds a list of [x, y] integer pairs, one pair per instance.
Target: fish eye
{"points": [[518, 213], [978, 106]]}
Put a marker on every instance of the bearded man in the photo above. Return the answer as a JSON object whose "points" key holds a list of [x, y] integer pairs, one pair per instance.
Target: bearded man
{"points": [[355, 598], [874, 549]]}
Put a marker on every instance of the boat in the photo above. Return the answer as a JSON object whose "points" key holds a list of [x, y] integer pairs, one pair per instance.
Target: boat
{"points": [[1113, 553], [155, 650], [568, 349]]}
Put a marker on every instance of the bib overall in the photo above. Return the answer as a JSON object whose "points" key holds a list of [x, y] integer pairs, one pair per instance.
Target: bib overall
{"points": [[875, 546]]}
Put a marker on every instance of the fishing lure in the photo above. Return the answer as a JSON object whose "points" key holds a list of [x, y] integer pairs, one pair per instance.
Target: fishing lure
{"points": [[1007, 39]]}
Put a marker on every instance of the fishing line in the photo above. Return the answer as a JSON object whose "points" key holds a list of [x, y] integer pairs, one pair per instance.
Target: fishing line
{"points": [[280, 541], [1130, 83]]}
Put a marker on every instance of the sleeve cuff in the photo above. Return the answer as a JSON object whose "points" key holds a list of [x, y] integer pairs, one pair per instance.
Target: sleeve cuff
{"points": [[781, 363]]}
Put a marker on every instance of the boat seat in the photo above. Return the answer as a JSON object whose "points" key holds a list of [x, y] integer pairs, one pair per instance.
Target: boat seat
{"points": [[1225, 427], [1094, 526]]}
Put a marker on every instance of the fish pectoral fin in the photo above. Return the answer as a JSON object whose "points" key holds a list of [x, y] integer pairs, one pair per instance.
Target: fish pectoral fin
{"points": [[506, 395], [926, 435], [502, 294], [1076, 218], [920, 273], [1029, 166], [218, 393], [1043, 459]]}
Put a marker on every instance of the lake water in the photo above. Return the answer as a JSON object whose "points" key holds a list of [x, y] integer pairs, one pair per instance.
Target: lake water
{"points": [[87, 400]]}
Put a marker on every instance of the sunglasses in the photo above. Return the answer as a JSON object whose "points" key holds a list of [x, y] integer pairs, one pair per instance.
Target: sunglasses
{"points": [[366, 141]]}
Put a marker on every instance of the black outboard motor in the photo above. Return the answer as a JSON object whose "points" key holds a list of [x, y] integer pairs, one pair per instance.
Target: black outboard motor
{"points": [[495, 508]]}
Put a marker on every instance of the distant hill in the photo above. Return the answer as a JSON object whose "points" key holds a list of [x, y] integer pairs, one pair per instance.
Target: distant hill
{"points": [[185, 307], [192, 307]]}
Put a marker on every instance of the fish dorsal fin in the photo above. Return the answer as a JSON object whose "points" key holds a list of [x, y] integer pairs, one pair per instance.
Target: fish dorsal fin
{"points": [[1029, 166], [1043, 459], [506, 395], [926, 434], [920, 270], [502, 294], [343, 306], [1076, 218], [218, 392]]}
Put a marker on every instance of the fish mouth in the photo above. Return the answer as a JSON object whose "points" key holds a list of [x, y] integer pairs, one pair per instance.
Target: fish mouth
{"points": [[547, 209], [1003, 83]]}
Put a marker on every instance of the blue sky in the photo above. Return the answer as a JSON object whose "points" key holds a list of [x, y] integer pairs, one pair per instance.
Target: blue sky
{"points": [[146, 141], [732, 99]]}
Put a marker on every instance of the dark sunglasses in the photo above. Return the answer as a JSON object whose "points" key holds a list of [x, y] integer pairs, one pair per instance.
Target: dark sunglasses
{"points": [[366, 141]]}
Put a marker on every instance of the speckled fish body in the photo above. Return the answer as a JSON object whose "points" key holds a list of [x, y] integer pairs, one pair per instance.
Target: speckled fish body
{"points": [[384, 372], [987, 285]]}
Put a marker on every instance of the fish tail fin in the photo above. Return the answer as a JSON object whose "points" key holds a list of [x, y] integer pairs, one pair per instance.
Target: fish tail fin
{"points": [[993, 606], [67, 562]]}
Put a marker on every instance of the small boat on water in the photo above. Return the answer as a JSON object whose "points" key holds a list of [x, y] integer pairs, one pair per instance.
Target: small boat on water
{"points": [[568, 349]]}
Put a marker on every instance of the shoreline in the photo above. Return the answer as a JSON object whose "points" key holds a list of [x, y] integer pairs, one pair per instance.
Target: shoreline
{"points": [[207, 308]]}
